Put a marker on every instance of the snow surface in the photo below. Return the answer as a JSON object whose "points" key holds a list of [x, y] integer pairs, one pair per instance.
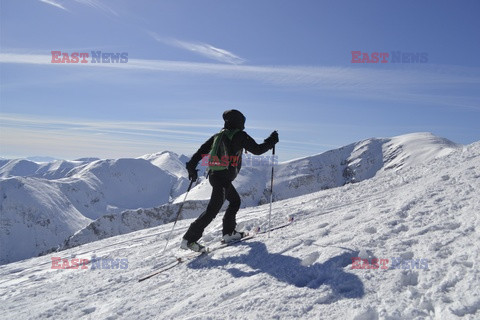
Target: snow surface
{"points": [[111, 197], [43, 204], [353, 163], [424, 211]]}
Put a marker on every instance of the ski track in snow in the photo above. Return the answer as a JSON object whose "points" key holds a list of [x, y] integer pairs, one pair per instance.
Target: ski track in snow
{"points": [[303, 271]]}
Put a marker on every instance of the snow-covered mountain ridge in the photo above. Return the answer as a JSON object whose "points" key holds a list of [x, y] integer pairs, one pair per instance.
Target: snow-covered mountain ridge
{"points": [[428, 211], [38, 214], [353, 163], [103, 197]]}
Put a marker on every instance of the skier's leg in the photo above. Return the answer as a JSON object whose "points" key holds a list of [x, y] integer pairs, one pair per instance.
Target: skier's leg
{"points": [[229, 219], [217, 198]]}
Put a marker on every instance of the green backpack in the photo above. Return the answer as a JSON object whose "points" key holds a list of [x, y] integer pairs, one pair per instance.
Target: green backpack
{"points": [[220, 156]]}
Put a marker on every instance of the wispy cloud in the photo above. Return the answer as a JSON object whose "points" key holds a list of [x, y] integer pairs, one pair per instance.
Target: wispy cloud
{"points": [[80, 137], [322, 76], [145, 128], [94, 4], [43, 135], [209, 51], [55, 4], [204, 49], [98, 5], [420, 83]]}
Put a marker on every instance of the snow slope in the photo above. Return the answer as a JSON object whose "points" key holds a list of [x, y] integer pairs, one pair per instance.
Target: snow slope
{"points": [[173, 164], [353, 163], [425, 216], [40, 211], [35, 216], [127, 183], [48, 170], [132, 220]]}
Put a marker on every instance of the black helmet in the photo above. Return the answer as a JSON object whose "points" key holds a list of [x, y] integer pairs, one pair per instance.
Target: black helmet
{"points": [[234, 119]]}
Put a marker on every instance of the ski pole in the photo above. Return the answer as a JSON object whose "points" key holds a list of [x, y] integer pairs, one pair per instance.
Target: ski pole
{"points": [[271, 194], [178, 215]]}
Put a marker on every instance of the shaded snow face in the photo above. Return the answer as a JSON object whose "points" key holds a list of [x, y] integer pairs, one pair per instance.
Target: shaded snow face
{"points": [[292, 270]]}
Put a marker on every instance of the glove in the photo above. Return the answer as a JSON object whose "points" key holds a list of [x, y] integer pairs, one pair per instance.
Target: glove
{"points": [[272, 139], [192, 172]]}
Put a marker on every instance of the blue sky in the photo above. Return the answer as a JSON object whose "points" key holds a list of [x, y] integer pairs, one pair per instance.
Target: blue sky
{"points": [[285, 64]]}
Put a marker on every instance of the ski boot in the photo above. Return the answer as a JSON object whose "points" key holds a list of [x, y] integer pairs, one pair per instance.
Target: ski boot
{"points": [[234, 236], [194, 246]]}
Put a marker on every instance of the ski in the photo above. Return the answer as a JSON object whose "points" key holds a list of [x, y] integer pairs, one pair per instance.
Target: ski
{"points": [[290, 221], [170, 266], [246, 238], [179, 260], [194, 255]]}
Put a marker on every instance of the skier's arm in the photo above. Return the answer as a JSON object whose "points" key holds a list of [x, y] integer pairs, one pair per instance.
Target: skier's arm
{"points": [[197, 156], [251, 146]]}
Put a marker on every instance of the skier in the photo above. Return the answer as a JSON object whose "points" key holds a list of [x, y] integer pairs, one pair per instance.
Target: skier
{"points": [[221, 178]]}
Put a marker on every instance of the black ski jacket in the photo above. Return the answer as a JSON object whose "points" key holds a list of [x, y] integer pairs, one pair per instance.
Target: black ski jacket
{"points": [[241, 140]]}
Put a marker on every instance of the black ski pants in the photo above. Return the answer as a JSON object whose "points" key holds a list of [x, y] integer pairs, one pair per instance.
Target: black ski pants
{"points": [[222, 189]]}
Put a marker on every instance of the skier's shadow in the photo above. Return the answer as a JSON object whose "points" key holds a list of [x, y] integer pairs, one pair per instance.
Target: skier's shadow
{"points": [[291, 270]]}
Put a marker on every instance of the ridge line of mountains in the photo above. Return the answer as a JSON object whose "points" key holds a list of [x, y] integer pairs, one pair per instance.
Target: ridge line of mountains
{"points": [[61, 204]]}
